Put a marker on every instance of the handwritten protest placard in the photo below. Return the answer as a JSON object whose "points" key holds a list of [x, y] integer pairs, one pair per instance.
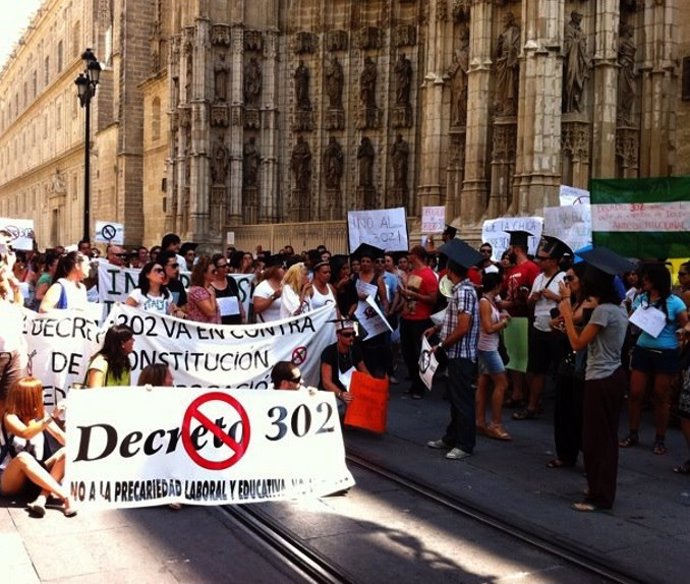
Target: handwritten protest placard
{"points": [[570, 196], [433, 219], [642, 217], [572, 225], [383, 228], [494, 232]]}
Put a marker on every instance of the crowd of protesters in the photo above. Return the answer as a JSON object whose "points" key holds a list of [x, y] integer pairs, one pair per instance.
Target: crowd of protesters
{"points": [[578, 334]]}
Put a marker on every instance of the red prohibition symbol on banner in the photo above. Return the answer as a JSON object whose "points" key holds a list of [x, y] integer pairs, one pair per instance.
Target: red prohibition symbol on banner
{"points": [[299, 355], [194, 412]]}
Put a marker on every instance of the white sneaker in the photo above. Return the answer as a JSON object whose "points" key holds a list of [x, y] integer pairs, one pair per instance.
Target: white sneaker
{"points": [[438, 444], [457, 454]]}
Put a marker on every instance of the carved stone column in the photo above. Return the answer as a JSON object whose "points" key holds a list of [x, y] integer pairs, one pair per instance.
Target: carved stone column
{"points": [[268, 176], [605, 93], [472, 205], [538, 160], [659, 89], [235, 203]]}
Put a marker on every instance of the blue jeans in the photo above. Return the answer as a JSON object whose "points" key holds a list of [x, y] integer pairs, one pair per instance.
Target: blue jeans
{"points": [[461, 431]]}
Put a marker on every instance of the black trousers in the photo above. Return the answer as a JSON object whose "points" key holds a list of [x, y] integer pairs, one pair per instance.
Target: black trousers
{"points": [[410, 345], [567, 417]]}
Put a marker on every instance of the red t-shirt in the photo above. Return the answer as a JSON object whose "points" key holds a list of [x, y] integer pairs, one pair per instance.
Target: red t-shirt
{"points": [[521, 276], [418, 309]]}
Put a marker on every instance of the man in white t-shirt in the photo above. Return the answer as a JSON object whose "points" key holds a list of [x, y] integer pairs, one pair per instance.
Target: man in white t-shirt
{"points": [[545, 346]]}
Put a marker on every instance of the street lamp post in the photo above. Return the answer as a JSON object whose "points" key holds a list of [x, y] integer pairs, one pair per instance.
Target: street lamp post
{"points": [[86, 88]]}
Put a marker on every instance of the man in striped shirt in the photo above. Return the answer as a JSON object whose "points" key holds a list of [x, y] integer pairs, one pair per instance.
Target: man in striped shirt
{"points": [[459, 336]]}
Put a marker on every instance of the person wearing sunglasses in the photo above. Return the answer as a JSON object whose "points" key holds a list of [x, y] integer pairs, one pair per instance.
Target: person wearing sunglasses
{"points": [[152, 295], [340, 360], [168, 260], [202, 305], [116, 256], [227, 292], [286, 375]]}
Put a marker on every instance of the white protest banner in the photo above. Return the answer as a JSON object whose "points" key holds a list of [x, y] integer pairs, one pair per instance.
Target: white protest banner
{"points": [[110, 232], [21, 230], [570, 196], [494, 232], [427, 363], [371, 319], [572, 225], [137, 447], [59, 344], [433, 219], [207, 355], [383, 228], [115, 284]]}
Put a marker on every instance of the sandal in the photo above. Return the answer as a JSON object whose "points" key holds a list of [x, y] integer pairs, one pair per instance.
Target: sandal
{"points": [[36, 510], [632, 439], [682, 468], [558, 463], [498, 433], [524, 414], [589, 507], [67, 509], [659, 447]]}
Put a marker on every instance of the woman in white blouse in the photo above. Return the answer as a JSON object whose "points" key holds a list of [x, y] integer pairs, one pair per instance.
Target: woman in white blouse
{"points": [[67, 289]]}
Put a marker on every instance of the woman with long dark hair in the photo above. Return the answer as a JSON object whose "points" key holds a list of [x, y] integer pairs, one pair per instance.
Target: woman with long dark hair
{"points": [[152, 295], [202, 305], [67, 289], [655, 358], [605, 378], [111, 366], [227, 292]]}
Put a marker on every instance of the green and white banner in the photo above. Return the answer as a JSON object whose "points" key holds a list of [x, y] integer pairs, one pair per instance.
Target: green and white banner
{"points": [[643, 218]]}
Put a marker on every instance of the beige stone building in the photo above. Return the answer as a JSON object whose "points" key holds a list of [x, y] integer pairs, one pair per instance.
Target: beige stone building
{"points": [[272, 118]]}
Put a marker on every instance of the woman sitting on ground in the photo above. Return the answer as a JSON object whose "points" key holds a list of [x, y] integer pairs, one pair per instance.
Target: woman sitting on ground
{"points": [[152, 295], [110, 367], [25, 465], [68, 290]]}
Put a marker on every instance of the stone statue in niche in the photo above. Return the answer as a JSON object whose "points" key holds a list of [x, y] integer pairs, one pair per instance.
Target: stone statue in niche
{"points": [[250, 163], [220, 75], [58, 185], [403, 80], [627, 84], [365, 155], [301, 77], [333, 162], [219, 165], [189, 79], [367, 84], [458, 80], [400, 153], [575, 64], [253, 81], [507, 68], [334, 83], [300, 164]]}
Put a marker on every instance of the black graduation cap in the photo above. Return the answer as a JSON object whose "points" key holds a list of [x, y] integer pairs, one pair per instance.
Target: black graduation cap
{"points": [[555, 247], [450, 231], [519, 237], [460, 252], [275, 260], [397, 255], [606, 260], [368, 250]]}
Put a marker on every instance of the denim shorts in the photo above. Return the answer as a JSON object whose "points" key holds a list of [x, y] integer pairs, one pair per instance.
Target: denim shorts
{"points": [[655, 360], [490, 362]]}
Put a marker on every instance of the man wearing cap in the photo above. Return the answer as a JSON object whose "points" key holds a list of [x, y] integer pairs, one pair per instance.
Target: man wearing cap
{"points": [[545, 347], [340, 359], [518, 283], [420, 292], [459, 337]]}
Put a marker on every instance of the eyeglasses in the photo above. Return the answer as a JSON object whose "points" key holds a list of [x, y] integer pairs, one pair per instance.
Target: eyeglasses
{"points": [[121, 255], [487, 251], [569, 278], [298, 380], [541, 258], [221, 266], [174, 266], [682, 273], [159, 270], [347, 335]]}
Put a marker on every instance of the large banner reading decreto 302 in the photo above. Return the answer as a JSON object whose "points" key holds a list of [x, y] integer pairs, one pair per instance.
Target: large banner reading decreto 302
{"points": [[134, 447]]}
